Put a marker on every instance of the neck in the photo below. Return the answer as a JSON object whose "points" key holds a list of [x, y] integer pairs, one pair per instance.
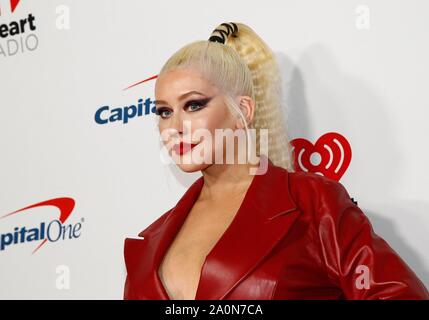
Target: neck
{"points": [[222, 180]]}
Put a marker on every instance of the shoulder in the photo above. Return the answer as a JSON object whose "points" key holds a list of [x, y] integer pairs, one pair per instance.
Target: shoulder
{"points": [[309, 182], [326, 204], [318, 193], [154, 226]]}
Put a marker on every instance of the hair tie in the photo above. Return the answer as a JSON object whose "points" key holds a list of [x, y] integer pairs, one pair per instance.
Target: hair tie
{"points": [[232, 29]]}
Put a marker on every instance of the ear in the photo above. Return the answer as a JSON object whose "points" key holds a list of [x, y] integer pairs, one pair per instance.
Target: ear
{"points": [[247, 107]]}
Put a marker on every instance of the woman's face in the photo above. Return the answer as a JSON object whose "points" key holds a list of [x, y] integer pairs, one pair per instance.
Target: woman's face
{"points": [[190, 108]]}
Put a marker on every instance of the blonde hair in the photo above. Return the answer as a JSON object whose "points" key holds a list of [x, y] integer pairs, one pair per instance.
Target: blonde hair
{"points": [[242, 64]]}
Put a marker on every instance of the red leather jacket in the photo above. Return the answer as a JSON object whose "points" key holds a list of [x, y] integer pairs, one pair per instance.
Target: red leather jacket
{"points": [[297, 235]]}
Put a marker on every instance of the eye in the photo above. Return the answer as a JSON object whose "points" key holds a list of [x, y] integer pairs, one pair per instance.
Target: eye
{"points": [[195, 105], [163, 112]]}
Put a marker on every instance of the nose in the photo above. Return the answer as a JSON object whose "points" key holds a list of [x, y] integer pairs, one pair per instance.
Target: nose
{"points": [[176, 128], [176, 123]]}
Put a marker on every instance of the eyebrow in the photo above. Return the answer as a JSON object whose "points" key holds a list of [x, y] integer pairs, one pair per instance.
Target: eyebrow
{"points": [[181, 97]]}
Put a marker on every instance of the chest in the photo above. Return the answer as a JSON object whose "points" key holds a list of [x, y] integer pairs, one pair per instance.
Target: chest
{"points": [[181, 267]]}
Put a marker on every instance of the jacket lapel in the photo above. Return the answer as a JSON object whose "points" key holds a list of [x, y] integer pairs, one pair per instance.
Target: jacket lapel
{"points": [[143, 256], [263, 219]]}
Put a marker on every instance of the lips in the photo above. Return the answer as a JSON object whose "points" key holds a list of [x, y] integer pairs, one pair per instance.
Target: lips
{"points": [[183, 147]]}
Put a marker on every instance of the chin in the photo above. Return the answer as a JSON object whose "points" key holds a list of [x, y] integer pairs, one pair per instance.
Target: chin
{"points": [[190, 162], [191, 167]]}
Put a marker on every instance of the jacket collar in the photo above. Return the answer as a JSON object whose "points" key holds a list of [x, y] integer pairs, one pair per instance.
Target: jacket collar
{"points": [[263, 219]]}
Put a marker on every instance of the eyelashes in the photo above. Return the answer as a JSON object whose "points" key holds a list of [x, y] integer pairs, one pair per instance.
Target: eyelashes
{"points": [[160, 111], [201, 103]]}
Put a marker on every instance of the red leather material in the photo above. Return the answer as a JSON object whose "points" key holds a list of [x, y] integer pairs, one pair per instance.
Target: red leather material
{"points": [[297, 235]]}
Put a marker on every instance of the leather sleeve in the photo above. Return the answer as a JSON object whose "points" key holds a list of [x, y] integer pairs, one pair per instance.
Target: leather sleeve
{"points": [[128, 295], [357, 260]]}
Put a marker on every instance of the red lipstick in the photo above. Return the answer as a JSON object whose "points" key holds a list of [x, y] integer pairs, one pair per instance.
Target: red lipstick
{"points": [[183, 147]]}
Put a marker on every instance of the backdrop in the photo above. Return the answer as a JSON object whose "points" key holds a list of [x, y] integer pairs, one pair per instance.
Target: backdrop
{"points": [[80, 165]]}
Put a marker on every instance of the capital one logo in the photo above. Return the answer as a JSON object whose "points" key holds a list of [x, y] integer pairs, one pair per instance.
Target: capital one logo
{"points": [[123, 114], [52, 231], [10, 4]]}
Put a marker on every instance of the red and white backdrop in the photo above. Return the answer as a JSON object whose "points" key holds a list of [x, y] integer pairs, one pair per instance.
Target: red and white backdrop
{"points": [[80, 165]]}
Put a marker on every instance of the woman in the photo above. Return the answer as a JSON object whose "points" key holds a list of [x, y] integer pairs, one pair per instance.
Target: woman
{"points": [[252, 229]]}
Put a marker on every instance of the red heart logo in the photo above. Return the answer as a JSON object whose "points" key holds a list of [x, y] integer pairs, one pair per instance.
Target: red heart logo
{"points": [[13, 4], [330, 156]]}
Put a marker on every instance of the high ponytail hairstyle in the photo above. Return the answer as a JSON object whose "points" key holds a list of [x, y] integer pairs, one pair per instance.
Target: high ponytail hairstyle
{"points": [[238, 62]]}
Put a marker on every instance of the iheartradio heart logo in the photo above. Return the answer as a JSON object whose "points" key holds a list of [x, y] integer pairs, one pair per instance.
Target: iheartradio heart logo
{"points": [[329, 156]]}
